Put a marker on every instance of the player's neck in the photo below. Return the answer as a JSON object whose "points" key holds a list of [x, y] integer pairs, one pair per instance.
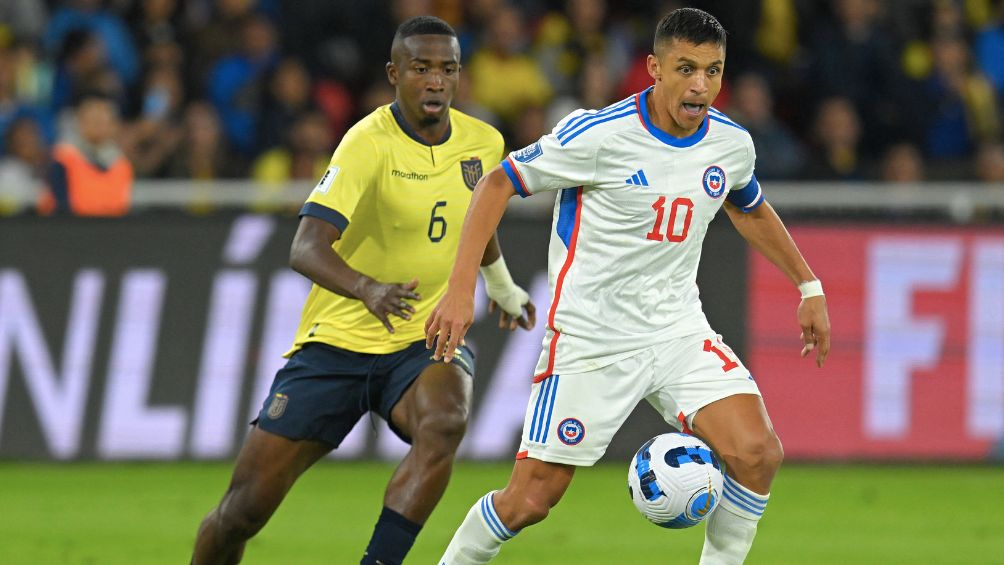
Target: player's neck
{"points": [[427, 134]]}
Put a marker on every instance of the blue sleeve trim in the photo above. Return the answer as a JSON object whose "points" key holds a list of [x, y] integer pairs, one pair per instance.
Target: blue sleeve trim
{"points": [[747, 197], [333, 217], [517, 183]]}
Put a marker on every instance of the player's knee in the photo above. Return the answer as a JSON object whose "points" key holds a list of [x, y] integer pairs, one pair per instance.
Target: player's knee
{"points": [[758, 458], [442, 430]]}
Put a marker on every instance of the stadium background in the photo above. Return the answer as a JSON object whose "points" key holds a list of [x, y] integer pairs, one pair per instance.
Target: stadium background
{"points": [[878, 134]]}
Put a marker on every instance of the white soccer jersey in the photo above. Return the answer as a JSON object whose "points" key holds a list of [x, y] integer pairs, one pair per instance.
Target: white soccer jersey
{"points": [[628, 226]]}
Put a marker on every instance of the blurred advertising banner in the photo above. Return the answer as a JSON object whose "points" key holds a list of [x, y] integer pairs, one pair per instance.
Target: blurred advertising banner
{"points": [[157, 337], [917, 363]]}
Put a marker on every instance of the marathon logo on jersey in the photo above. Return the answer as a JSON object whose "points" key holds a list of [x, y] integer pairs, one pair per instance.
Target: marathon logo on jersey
{"points": [[528, 153], [410, 175], [471, 171], [278, 406], [329, 177], [571, 431], [714, 181]]}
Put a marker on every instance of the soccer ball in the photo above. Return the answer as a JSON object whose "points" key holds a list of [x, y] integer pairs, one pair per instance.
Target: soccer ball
{"points": [[675, 480]]}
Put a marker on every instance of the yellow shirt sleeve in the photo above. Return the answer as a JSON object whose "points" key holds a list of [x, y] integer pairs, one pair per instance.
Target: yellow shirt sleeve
{"points": [[351, 173]]}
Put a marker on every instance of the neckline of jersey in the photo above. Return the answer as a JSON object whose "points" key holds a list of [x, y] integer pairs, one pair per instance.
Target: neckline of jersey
{"points": [[410, 132], [661, 135]]}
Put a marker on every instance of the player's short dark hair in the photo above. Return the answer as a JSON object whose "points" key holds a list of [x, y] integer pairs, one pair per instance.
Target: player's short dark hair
{"points": [[691, 25], [423, 25]]}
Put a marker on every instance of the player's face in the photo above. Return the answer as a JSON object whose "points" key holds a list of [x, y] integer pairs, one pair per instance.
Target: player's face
{"points": [[425, 73], [688, 78]]}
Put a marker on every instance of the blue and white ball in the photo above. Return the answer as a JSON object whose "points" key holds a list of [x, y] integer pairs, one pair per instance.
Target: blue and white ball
{"points": [[675, 480]]}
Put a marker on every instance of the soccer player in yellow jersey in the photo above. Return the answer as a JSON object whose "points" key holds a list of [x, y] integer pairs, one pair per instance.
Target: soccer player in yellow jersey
{"points": [[377, 236]]}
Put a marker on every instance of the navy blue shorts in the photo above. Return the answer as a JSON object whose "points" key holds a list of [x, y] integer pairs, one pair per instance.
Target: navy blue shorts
{"points": [[323, 390]]}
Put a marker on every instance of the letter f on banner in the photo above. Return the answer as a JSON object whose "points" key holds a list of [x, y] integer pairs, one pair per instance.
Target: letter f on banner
{"points": [[896, 342]]}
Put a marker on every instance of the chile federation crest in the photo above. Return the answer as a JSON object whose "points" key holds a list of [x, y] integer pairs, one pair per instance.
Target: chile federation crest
{"points": [[714, 181], [571, 431]]}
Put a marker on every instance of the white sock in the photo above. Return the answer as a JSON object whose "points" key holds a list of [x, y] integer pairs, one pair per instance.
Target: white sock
{"points": [[479, 538], [732, 526]]}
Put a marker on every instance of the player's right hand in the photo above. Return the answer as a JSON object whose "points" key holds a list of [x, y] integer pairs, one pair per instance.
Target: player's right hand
{"points": [[384, 299], [449, 322]]}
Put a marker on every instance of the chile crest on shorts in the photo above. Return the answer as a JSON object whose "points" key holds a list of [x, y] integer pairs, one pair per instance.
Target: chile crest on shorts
{"points": [[714, 181], [571, 431]]}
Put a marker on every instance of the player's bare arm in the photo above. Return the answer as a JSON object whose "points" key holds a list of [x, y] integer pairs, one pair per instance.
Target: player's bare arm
{"points": [[312, 256], [763, 229], [454, 314]]}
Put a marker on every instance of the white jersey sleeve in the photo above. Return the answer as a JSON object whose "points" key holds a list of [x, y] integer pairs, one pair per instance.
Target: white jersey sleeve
{"points": [[746, 193], [564, 158]]}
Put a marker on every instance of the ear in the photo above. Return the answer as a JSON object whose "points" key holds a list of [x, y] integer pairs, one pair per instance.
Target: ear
{"points": [[653, 67], [391, 74]]}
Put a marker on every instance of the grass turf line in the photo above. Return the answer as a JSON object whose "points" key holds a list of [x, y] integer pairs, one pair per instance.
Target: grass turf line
{"points": [[148, 514]]}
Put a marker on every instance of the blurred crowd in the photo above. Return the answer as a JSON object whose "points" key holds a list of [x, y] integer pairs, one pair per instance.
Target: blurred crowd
{"points": [[831, 90]]}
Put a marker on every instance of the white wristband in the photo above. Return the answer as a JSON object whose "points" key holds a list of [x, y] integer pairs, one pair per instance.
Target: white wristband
{"points": [[497, 274], [500, 287], [811, 288]]}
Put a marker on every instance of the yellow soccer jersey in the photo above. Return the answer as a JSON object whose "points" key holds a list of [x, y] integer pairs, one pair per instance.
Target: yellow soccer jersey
{"points": [[400, 204]]}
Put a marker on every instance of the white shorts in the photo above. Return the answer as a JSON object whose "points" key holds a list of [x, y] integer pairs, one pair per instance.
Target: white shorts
{"points": [[571, 418]]}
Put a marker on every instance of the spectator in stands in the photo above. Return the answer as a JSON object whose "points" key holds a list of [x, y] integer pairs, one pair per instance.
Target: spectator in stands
{"points": [[23, 18], [779, 153], [154, 22], [595, 91], [204, 153], [304, 157], [151, 139], [855, 58], [289, 97], [566, 40], [89, 16], [505, 78], [837, 134], [237, 84], [33, 76], [22, 167], [963, 105], [222, 36], [902, 164], [82, 57], [89, 175], [990, 163], [989, 49], [12, 106]]}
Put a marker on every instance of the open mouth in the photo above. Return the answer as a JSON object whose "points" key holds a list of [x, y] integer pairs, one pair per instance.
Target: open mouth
{"points": [[693, 109], [433, 106]]}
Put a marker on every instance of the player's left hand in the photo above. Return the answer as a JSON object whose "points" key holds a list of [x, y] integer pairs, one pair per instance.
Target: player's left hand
{"points": [[815, 323], [516, 310]]}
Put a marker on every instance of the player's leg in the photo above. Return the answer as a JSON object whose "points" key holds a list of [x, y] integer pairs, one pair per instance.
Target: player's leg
{"points": [[711, 394], [432, 414], [266, 468], [314, 402], [738, 429], [570, 420], [534, 488]]}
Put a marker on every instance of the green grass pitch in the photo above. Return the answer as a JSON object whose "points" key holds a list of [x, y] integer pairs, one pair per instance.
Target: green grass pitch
{"points": [[112, 514]]}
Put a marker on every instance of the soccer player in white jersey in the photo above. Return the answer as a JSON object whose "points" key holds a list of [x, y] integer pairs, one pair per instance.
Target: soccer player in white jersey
{"points": [[640, 180]]}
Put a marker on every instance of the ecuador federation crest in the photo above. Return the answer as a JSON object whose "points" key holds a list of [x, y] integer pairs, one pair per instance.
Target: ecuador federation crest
{"points": [[278, 406], [472, 171]]}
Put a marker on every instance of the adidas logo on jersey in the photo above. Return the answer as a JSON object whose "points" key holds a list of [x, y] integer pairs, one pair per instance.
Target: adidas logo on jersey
{"points": [[638, 179]]}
